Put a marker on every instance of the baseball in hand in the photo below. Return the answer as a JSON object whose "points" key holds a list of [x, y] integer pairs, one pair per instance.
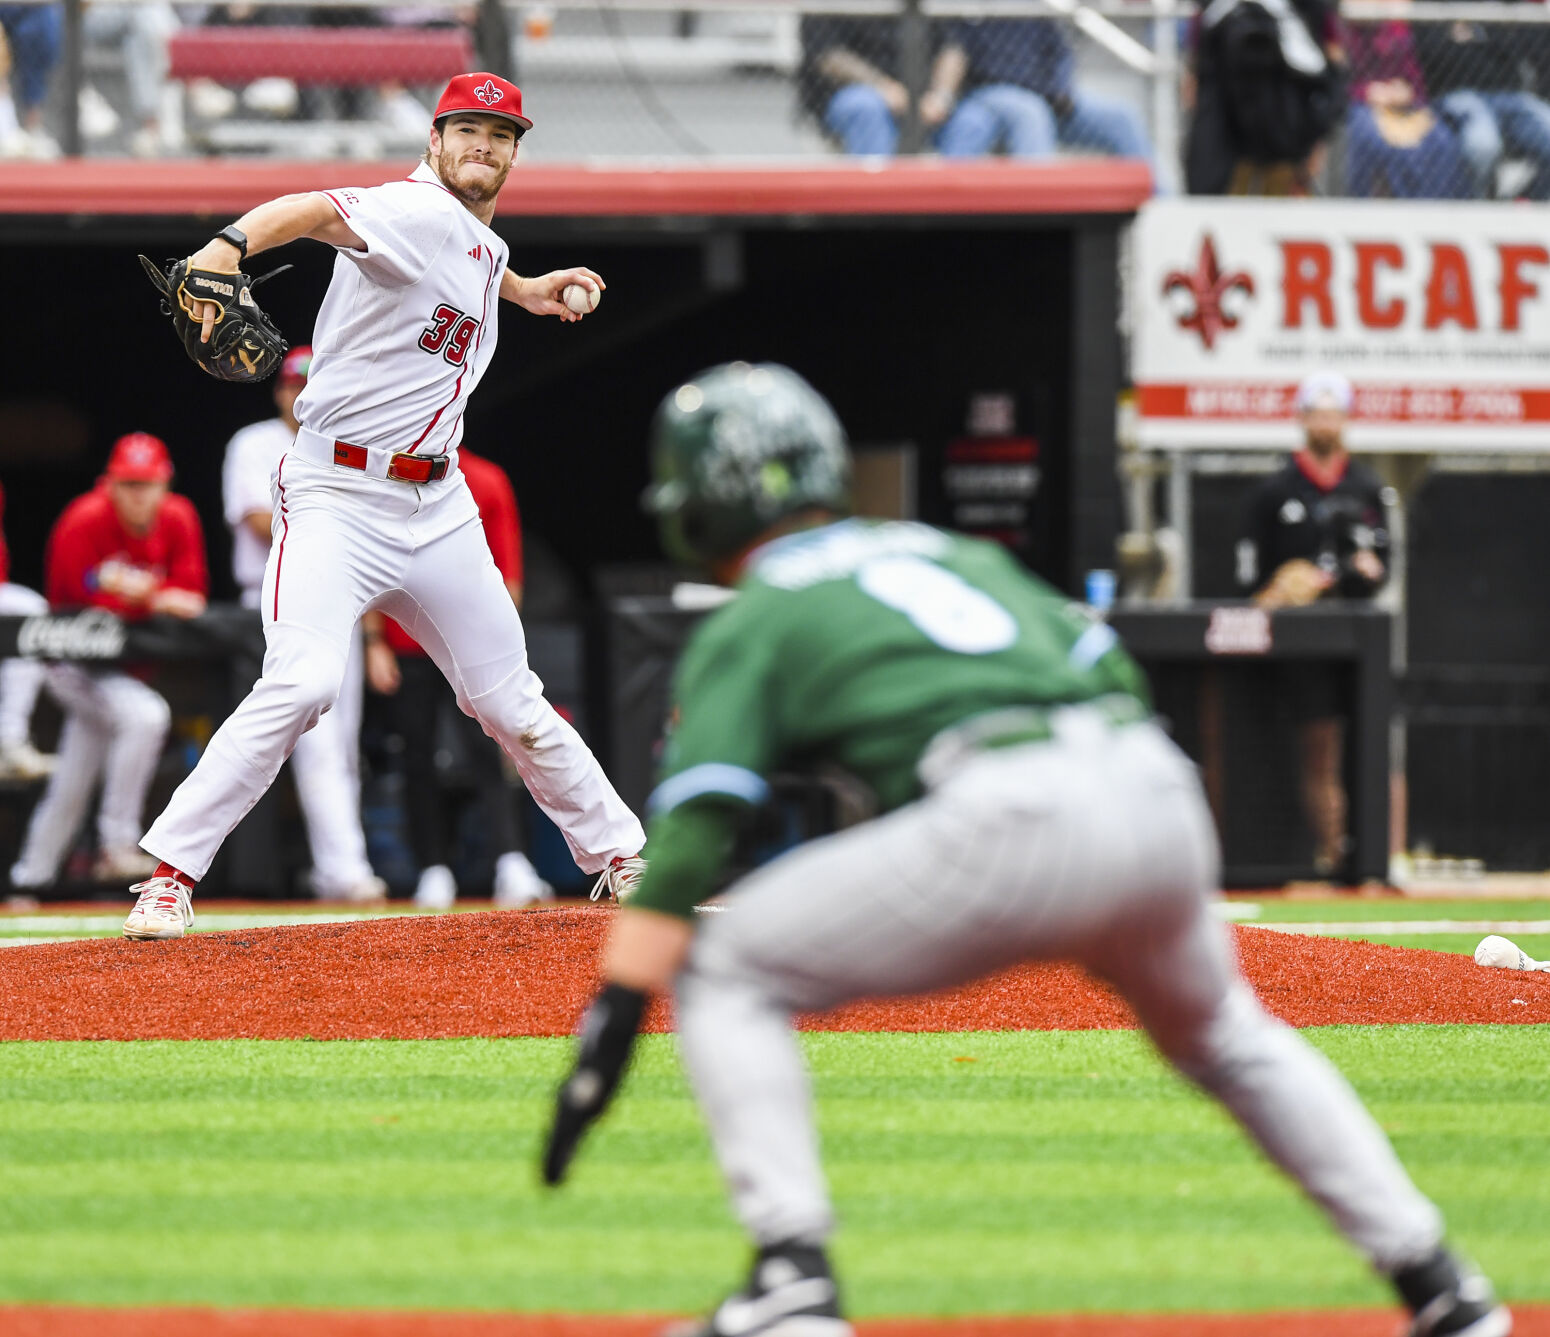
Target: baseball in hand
{"points": [[580, 299]]}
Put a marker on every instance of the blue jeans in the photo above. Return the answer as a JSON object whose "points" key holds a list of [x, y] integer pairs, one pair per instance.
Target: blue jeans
{"points": [[1490, 124], [1023, 122], [1026, 125], [1430, 170], [35, 34], [859, 118]]}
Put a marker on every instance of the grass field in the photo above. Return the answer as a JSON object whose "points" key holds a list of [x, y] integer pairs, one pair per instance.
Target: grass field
{"points": [[1347, 917], [975, 1173]]}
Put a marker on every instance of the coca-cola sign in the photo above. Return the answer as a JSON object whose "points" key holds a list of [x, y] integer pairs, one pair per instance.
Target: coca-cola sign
{"points": [[94, 634]]}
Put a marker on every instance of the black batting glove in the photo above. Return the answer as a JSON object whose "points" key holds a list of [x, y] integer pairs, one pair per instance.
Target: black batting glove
{"points": [[607, 1035]]}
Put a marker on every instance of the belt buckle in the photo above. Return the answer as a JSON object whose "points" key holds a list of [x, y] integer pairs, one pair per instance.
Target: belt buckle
{"points": [[407, 468]]}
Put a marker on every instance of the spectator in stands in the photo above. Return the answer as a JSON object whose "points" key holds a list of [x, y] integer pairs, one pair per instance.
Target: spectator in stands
{"points": [[850, 79], [397, 105], [134, 548], [326, 763], [33, 39], [398, 667], [1481, 76], [1008, 84], [1396, 145], [389, 102], [1316, 530], [139, 33], [1265, 88], [20, 682]]}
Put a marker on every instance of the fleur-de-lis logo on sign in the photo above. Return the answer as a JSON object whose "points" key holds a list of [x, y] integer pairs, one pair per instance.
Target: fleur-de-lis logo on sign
{"points": [[1208, 285], [488, 93]]}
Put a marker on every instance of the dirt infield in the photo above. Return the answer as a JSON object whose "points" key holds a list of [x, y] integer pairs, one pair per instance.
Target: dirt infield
{"points": [[52, 1322], [529, 973]]}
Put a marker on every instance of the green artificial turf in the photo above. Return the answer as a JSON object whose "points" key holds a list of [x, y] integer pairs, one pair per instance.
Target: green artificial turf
{"points": [[1296, 910], [1536, 945], [1353, 911], [1053, 1172]]}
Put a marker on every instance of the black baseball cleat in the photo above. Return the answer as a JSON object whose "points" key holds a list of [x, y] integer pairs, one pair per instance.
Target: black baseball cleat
{"points": [[1449, 1298], [790, 1293]]}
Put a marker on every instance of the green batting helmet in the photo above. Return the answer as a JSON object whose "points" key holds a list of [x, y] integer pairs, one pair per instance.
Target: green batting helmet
{"points": [[738, 448]]}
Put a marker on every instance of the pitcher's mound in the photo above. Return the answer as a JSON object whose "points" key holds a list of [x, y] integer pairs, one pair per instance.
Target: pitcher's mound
{"points": [[530, 973]]}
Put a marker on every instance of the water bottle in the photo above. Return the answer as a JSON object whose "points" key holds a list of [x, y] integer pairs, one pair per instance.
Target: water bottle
{"points": [[1101, 586]]}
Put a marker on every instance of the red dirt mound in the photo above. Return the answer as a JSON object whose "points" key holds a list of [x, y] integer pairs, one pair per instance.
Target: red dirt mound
{"points": [[59, 1322], [417, 977]]}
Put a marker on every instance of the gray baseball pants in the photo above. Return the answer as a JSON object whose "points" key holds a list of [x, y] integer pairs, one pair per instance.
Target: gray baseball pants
{"points": [[1096, 847]]}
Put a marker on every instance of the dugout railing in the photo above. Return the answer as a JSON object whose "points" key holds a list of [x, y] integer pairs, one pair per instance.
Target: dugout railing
{"points": [[1220, 676], [204, 666], [1219, 672]]}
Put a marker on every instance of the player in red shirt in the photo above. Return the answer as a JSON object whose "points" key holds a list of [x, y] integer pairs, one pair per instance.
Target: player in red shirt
{"points": [[397, 666], [20, 680], [135, 548]]}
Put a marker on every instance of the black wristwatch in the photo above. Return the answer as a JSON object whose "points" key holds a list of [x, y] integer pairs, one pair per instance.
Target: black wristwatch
{"points": [[229, 233]]}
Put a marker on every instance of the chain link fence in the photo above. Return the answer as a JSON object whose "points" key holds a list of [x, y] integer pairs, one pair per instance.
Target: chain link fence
{"points": [[1378, 99], [1416, 100], [636, 80], [1448, 104]]}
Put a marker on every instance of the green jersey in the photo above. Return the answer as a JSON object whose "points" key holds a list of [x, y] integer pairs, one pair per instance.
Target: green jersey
{"points": [[854, 644]]}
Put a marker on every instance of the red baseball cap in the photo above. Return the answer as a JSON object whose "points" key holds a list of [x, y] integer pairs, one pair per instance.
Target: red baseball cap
{"points": [[487, 94], [140, 457], [297, 365]]}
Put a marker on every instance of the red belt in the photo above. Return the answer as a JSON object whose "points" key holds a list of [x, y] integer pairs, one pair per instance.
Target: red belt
{"points": [[402, 468]]}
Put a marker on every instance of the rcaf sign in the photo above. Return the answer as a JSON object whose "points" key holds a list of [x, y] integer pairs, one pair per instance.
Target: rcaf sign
{"points": [[1439, 314]]}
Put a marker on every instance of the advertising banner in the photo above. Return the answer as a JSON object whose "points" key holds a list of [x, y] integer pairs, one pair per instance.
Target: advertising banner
{"points": [[1438, 313]]}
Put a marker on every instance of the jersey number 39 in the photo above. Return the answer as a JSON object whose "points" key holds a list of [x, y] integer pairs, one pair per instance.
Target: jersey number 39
{"points": [[942, 605], [450, 333]]}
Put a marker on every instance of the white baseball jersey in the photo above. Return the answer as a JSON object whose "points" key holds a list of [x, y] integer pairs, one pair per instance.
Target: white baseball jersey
{"points": [[409, 324], [251, 456]]}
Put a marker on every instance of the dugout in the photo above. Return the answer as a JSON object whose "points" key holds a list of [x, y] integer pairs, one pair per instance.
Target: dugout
{"points": [[964, 309], [962, 317]]}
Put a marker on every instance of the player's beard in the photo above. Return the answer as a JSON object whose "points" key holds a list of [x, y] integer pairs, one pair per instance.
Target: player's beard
{"points": [[480, 188], [1324, 442]]}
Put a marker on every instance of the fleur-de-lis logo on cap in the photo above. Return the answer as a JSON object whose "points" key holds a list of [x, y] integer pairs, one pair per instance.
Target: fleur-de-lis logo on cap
{"points": [[488, 93]]}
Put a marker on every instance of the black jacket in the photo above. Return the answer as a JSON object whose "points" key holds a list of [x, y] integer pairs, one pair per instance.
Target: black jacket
{"points": [[1290, 516]]}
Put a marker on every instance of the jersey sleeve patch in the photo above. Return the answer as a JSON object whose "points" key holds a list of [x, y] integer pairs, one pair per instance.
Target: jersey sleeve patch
{"points": [[711, 777]]}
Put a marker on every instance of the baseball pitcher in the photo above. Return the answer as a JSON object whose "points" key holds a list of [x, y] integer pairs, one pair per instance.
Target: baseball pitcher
{"points": [[369, 512], [1032, 810]]}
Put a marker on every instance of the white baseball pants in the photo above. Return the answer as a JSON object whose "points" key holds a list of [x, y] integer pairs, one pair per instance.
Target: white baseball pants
{"points": [[114, 728], [20, 679], [1096, 847], [345, 543]]}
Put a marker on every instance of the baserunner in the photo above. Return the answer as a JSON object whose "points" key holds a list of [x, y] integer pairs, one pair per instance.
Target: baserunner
{"points": [[1032, 810]]}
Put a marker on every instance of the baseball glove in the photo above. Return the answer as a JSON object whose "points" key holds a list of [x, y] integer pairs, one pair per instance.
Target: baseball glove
{"points": [[244, 345]]}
